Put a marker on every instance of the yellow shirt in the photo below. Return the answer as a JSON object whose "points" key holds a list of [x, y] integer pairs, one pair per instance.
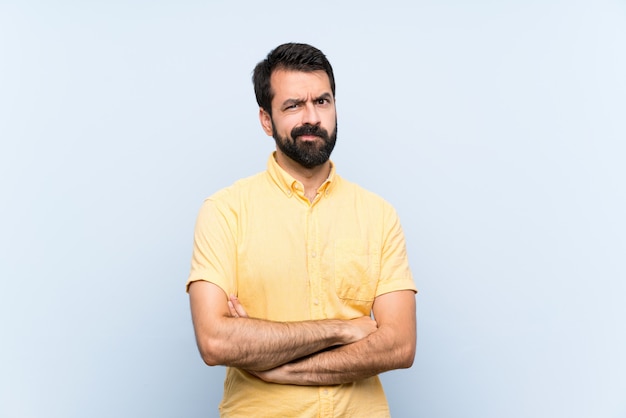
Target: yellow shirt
{"points": [[288, 259]]}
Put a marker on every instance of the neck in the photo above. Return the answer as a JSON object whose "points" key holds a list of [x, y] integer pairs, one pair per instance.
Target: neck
{"points": [[311, 178]]}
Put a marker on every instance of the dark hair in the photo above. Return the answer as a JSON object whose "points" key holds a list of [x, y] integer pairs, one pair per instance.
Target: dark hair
{"points": [[291, 56]]}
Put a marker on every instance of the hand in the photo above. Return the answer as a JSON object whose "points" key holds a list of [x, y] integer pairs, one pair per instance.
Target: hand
{"points": [[278, 375], [362, 327], [236, 308]]}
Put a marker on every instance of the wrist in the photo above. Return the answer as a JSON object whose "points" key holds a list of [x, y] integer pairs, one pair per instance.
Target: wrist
{"points": [[343, 332]]}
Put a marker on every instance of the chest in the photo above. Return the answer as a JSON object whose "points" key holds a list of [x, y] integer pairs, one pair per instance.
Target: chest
{"points": [[298, 262]]}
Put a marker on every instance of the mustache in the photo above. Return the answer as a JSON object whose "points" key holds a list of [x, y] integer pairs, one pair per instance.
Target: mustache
{"points": [[309, 130]]}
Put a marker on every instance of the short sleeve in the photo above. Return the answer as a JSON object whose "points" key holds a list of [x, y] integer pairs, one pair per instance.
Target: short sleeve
{"points": [[395, 273], [214, 246]]}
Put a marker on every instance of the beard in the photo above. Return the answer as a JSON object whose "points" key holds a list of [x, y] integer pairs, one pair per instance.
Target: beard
{"points": [[308, 154]]}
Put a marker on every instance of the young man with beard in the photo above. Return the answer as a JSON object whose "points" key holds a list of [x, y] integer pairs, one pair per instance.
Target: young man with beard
{"points": [[289, 265]]}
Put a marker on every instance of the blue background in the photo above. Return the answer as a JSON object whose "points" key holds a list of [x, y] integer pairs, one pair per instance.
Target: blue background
{"points": [[496, 129]]}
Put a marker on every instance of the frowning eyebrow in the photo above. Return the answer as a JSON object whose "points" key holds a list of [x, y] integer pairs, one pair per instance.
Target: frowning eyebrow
{"points": [[325, 96], [292, 102]]}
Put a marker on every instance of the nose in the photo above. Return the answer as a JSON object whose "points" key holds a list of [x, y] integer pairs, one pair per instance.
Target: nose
{"points": [[311, 114]]}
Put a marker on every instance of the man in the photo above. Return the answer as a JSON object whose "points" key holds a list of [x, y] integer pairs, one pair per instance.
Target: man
{"points": [[289, 265]]}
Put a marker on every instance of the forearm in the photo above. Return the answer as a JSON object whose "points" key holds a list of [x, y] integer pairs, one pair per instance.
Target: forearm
{"points": [[391, 346], [255, 344], [373, 355], [227, 336]]}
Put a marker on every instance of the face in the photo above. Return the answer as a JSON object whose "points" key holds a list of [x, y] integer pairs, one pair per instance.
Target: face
{"points": [[303, 121]]}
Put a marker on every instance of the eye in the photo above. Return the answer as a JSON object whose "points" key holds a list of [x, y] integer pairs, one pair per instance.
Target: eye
{"points": [[322, 101]]}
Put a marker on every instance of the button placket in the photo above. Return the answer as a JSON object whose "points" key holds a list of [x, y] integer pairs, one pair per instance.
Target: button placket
{"points": [[314, 264]]}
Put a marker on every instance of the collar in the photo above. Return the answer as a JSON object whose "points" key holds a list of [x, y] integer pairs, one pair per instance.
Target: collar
{"points": [[290, 185]]}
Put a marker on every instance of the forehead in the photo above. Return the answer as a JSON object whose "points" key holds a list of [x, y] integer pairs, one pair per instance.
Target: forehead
{"points": [[299, 84]]}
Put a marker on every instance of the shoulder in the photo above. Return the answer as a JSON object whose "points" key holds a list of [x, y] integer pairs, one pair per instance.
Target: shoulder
{"points": [[229, 206], [362, 196], [230, 201]]}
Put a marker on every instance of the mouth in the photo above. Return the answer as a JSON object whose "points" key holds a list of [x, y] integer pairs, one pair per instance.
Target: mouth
{"points": [[308, 138]]}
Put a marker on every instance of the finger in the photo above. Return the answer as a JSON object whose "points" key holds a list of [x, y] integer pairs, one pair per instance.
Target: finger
{"points": [[232, 310], [238, 307]]}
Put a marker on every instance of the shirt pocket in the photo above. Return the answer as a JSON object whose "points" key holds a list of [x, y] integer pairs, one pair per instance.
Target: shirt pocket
{"points": [[357, 267]]}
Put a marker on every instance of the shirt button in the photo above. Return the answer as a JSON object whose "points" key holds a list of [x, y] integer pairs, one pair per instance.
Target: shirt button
{"points": [[316, 302], [325, 391], [313, 254]]}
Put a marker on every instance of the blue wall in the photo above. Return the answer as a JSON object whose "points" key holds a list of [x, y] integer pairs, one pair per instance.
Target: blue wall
{"points": [[497, 129]]}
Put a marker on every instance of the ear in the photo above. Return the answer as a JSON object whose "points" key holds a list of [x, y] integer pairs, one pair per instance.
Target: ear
{"points": [[266, 121]]}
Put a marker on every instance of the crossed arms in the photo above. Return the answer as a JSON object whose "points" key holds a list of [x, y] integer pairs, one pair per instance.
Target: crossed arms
{"points": [[320, 352]]}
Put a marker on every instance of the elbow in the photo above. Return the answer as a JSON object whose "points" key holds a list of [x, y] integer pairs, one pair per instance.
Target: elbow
{"points": [[216, 349], [407, 362], [210, 353], [407, 351], [210, 360], [406, 356]]}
